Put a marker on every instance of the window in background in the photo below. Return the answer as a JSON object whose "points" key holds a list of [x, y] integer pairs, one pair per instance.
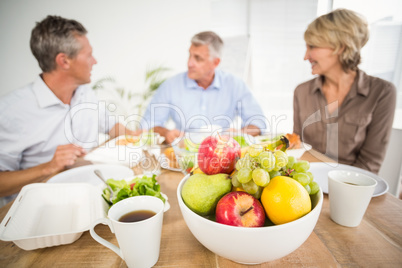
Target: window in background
{"points": [[276, 29], [382, 55], [274, 63], [272, 56]]}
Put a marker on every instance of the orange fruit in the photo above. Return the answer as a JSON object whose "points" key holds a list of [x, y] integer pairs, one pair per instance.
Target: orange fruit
{"points": [[127, 140], [132, 139], [285, 200], [122, 142], [197, 171], [169, 153]]}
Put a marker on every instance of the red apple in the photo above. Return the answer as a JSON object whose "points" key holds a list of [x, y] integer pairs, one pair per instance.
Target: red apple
{"points": [[240, 209], [218, 155]]}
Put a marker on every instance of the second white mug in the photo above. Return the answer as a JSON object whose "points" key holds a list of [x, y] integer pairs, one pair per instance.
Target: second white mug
{"points": [[349, 196]]}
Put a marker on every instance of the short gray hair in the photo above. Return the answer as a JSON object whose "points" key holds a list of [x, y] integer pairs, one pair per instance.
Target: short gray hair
{"points": [[214, 42], [52, 36]]}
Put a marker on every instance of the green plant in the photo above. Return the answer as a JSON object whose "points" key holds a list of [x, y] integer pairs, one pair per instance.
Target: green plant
{"points": [[154, 80], [100, 83], [154, 77]]}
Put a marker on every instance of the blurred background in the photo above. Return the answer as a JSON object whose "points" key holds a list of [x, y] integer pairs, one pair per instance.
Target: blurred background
{"points": [[139, 43]]}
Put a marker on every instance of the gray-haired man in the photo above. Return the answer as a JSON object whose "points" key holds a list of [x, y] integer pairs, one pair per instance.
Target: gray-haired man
{"points": [[203, 96], [46, 125]]}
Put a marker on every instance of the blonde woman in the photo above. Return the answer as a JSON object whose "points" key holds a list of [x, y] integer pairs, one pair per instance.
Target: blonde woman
{"points": [[343, 112]]}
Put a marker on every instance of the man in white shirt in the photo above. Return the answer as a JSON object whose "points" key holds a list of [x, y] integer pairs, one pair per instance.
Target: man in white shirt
{"points": [[48, 124]]}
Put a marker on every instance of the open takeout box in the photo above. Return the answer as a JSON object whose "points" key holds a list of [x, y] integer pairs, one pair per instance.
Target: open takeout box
{"points": [[45, 215]]}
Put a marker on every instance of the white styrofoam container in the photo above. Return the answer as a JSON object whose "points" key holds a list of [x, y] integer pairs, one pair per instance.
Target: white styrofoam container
{"points": [[85, 174], [45, 215]]}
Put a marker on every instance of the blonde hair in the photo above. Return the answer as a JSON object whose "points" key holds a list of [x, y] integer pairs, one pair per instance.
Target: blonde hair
{"points": [[342, 30]]}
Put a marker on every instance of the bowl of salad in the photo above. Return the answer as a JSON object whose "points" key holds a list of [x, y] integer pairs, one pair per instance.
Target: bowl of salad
{"points": [[133, 186]]}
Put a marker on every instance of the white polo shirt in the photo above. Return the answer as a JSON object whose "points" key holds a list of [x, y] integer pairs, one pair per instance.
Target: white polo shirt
{"points": [[33, 122]]}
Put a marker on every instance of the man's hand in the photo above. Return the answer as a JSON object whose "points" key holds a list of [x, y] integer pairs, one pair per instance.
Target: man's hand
{"points": [[171, 135], [65, 155], [12, 181], [251, 130]]}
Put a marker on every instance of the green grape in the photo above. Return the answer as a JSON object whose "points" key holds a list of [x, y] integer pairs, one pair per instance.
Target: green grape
{"points": [[255, 160], [250, 187], [274, 173], [302, 178], [244, 175], [301, 166], [235, 181], [245, 162], [260, 177], [281, 159], [248, 160], [291, 161], [308, 189], [258, 193], [310, 175], [255, 149], [267, 160], [314, 187], [292, 174], [239, 164]]}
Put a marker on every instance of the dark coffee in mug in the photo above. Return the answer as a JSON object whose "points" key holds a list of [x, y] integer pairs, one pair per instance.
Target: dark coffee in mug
{"points": [[138, 215], [351, 183]]}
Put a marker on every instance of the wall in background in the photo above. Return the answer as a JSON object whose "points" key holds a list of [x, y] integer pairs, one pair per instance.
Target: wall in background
{"points": [[127, 36], [276, 28], [382, 55], [130, 35]]}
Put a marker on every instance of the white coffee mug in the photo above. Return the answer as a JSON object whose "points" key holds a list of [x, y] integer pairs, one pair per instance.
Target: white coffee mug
{"points": [[349, 195], [139, 241]]}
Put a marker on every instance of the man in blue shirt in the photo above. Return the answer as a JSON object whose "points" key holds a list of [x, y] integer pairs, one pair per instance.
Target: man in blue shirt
{"points": [[203, 97]]}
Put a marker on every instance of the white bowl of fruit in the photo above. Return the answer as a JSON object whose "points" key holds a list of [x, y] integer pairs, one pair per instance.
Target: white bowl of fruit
{"points": [[252, 227]]}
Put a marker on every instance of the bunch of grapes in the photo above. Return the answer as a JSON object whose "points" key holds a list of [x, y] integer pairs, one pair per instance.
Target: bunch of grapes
{"points": [[259, 165]]}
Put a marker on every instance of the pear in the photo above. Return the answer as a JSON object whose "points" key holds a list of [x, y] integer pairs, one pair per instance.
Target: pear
{"points": [[202, 192]]}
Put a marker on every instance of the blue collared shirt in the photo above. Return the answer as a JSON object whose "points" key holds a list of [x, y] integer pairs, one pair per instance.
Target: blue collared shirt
{"points": [[192, 107]]}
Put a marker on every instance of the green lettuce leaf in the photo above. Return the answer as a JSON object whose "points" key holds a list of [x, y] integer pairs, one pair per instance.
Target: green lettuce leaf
{"points": [[138, 186]]}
